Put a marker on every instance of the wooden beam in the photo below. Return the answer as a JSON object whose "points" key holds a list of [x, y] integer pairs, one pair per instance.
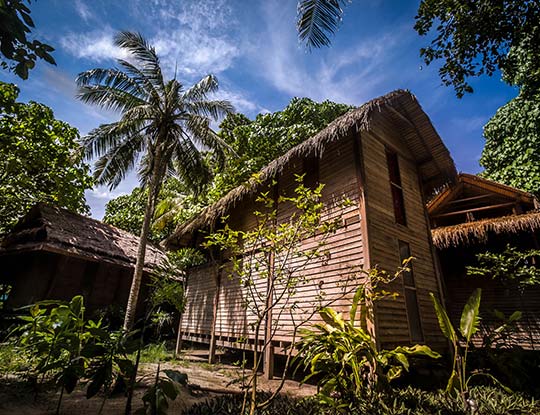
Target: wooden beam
{"points": [[467, 199], [460, 212]]}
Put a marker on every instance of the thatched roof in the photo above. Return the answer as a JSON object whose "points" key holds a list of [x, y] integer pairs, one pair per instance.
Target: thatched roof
{"points": [[49, 228], [477, 232], [435, 164], [472, 180]]}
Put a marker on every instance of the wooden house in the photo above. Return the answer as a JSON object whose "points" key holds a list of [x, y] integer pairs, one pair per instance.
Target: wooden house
{"points": [[53, 253], [386, 158], [475, 215]]}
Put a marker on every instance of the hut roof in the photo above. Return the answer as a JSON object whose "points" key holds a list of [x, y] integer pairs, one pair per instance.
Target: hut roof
{"points": [[472, 180], [477, 232], [435, 164], [53, 229]]}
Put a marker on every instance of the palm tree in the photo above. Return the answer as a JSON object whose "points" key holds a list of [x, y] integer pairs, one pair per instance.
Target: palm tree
{"points": [[318, 18], [161, 130]]}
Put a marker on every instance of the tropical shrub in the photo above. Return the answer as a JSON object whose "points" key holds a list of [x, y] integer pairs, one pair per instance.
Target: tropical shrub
{"points": [[165, 389], [461, 376], [408, 401], [64, 347], [344, 357]]}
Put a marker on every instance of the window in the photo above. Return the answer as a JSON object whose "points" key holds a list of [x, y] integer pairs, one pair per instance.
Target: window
{"points": [[311, 172], [395, 187], [411, 300]]}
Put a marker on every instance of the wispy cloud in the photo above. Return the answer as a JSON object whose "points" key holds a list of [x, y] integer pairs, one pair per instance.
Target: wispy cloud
{"points": [[351, 75], [96, 45], [83, 10]]}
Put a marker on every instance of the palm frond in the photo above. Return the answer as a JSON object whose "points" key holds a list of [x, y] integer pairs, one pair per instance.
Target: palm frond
{"points": [[111, 168], [102, 139], [144, 53], [108, 98], [201, 89], [112, 78], [318, 18], [214, 109]]}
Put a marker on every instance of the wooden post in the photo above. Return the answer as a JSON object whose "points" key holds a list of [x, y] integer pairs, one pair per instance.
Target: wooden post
{"points": [[178, 347], [362, 208], [212, 349]]}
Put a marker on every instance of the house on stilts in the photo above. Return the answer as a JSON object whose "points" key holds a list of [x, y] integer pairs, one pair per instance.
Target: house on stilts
{"points": [[387, 159]]}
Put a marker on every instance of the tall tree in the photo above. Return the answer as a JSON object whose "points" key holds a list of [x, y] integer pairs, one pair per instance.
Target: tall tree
{"points": [[40, 159], [161, 129], [512, 151], [20, 53], [473, 38]]}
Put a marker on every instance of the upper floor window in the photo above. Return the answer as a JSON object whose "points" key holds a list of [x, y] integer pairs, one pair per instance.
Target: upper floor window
{"points": [[395, 187], [311, 171]]}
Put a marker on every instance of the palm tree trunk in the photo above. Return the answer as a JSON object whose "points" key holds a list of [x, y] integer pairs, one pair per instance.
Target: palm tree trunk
{"points": [[153, 189]]}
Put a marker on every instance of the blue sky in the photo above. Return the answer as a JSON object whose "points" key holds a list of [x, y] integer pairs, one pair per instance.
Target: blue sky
{"points": [[252, 47]]}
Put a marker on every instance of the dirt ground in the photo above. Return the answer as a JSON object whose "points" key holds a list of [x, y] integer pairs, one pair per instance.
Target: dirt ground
{"points": [[204, 381]]}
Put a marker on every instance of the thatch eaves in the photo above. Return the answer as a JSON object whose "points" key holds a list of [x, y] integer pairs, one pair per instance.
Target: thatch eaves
{"points": [[470, 233], [53, 229], [435, 164]]}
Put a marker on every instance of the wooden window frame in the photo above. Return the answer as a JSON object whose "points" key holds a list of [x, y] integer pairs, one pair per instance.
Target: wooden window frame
{"points": [[396, 189], [409, 287]]}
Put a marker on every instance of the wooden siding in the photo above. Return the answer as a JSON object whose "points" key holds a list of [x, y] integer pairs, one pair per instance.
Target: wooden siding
{"points": [[391, 315], [337, 171]]}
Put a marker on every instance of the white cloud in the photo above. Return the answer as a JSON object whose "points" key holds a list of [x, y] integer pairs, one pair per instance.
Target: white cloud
{"points": [[351, 75], [83, 10], [97, 46]]}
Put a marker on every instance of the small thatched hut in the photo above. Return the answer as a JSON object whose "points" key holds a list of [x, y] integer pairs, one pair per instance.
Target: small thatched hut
{"points": [[474, 216], [385, 157], [53, 253]]}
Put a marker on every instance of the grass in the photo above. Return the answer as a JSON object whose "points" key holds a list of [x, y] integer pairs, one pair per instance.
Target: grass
{"points": [[12, 359]]}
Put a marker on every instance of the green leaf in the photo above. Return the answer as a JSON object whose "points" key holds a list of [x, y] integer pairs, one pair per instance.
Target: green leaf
{"points": [[359, 296], [470, 317], [444, 322]]}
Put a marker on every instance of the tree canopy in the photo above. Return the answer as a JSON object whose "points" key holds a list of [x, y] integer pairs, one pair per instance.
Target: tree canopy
{"points": [[512, 151], [40, 159], [473, 38], [255, 142], [20, 53]]}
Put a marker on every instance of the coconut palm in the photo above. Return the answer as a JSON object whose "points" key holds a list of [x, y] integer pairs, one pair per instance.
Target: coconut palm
{"points": [[318, 18], [162, 129]]}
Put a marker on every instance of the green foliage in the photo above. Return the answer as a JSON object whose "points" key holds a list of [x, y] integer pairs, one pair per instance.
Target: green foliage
{"points": [[174, 205], [343, 356], [20, 52], [156, 398], [409, 401], [271, 253], [512, 151], [513, 266], [65, 347], [162, 127], [258, 142], [154, 353], [40, 159], [317, 19], [475, 37], [12, 360], [459, 381]]}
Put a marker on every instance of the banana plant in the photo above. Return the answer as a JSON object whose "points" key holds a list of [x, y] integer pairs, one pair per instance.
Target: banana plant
{"points": [[345, 356], [458, 382]]}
